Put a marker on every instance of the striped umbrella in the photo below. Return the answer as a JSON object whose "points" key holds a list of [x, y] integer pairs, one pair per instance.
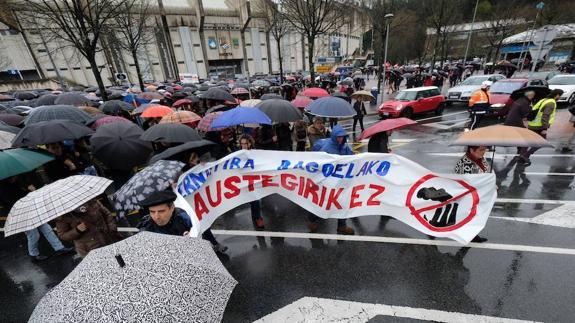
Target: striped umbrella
{"points": [[57, 112], [239, 90], [205, 124], [181, 117], [107, 119]]}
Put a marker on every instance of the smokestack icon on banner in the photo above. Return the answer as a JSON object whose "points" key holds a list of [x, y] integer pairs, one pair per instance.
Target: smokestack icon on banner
{"points": [[444, 216]]}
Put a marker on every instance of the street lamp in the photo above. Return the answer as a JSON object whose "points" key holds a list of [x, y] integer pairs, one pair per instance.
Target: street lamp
{"points": [[386, 18]]}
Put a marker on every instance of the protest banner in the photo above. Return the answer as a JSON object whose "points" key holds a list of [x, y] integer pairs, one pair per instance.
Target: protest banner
{"points": [[335, 187]]}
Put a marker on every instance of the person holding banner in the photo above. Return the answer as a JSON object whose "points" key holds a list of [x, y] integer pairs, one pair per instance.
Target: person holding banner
{"points": [[247, 143], [473, 162], [337, 145], [165, 218]]}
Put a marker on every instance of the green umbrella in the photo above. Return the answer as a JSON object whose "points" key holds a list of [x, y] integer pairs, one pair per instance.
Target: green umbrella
{"points": [[21, 160]]}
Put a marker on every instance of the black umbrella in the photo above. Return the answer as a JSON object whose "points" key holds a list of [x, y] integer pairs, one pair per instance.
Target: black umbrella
{"points": [[116, 95], [271, 96], [8, 128], [25, 95], [113, 107], [280, 110], [11, 119], [219, 107], [20, 109], [46, 132], [77, 88], [72, 98], [91, 89], [46, 99], [58, 112], [341, 95], [170, 132], [218, 95], [204, 87], [540, 92], [193, 98], [200, 147], [179, 95], [118, 145]]}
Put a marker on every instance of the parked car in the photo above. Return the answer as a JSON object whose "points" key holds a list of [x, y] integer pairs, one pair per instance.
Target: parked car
{"points": [[463, 91], [413, 101], [565, 82], [500, 93]]}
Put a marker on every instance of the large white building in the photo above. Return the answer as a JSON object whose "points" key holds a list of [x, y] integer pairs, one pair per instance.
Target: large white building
{"points": [[205, 37]]}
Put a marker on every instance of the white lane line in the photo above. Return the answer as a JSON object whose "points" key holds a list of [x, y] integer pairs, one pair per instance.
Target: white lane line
{"points": [[533, 201], [447, 124], [442, 116], [549, 174], [504, 155], [491, 246], [562, 216], [313, 309]]}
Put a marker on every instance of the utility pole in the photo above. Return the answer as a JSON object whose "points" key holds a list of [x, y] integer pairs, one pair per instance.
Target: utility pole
{"points": [[470, 32]]}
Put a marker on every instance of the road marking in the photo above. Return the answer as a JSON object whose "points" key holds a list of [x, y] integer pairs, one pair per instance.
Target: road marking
{"points": [[562, 216], [549, 174], [313, 309], [441, 116], [504, 155], [447, 124], [380, 239]]}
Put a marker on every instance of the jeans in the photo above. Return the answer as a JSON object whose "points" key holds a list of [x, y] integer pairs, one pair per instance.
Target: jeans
{"points": [[530, 151], [33, 237], [355, 120], [256, 207]]}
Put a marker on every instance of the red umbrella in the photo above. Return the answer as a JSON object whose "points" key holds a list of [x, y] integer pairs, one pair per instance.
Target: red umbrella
{"points": [[301, 102], [150, 96], [205, 124], [315, 92], [156, 111], [386, 125], [181, 102], [239, 90], [106, 120], [233, 103]]}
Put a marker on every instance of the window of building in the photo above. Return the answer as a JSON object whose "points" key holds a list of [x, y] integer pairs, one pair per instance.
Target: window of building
{"points": [[42, 50], [181, 62], [199, 62], [63, 68], [155, 63], [77, 68], [177, 45], [196, 45], [49, 70]]}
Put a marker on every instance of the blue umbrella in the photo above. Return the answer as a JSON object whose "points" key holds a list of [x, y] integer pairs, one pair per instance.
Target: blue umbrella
{"points": [[241, 115], [331, 107]]}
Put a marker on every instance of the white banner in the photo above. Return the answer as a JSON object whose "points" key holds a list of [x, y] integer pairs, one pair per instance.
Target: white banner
{"points": [[336, 187]]}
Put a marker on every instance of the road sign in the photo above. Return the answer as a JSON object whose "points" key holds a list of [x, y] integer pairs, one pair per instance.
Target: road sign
{"points": [[544, 36], [539, 53], [121, 77]]}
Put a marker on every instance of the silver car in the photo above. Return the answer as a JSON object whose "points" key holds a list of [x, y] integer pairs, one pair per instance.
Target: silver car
{"points": [[463, 91]]}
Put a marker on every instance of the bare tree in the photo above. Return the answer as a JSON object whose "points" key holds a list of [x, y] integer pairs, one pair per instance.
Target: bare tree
{"points": [[131, 30], [77, 23], [275, 24], [502, 22], [440, 14], [314, 18]]}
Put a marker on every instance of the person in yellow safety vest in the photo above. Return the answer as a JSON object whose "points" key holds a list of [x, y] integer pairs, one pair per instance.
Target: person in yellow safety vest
{"points": [[546, 109], [479, 104]]}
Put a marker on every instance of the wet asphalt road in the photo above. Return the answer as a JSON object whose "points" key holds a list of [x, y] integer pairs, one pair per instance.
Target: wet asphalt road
{"points": [[510, 277]]}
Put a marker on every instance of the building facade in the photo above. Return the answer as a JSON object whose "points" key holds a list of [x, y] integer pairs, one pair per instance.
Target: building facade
{"points": [[210, 38]]}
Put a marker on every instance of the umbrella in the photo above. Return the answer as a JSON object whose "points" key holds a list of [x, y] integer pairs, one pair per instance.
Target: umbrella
{"points": [[72, 98], [118, 145], [540, 92], [301, 102], [193, 98], [47, 99], [20, 109], [113, 107], [251, 103], [386, 125], [205, 124], [269, 96], [25, 95], [219, 107], [347, 81], [91, 89], [5, 97], [182, 102], [156, 177], [503, 136], [239, 90], [6, 139], [341, 95], [11, 119], [20, 160], [357, 73], [46, 132], [200, 147], [331, 107], [261, 83], [362, 96], [93, 112], [315, 92], [505, 64], [149, 96], [57, 112], [116, 95], [170, 132], [218, 95], [107, 119], [52, 201], [181, 117], [7, 128], [178, 96], [239, 116], [156, 111], [142, 108], [280, 110], [162, 278]]}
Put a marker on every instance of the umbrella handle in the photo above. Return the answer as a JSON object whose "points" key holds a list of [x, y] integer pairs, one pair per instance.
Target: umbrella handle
{"points": [[120, 260]]}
